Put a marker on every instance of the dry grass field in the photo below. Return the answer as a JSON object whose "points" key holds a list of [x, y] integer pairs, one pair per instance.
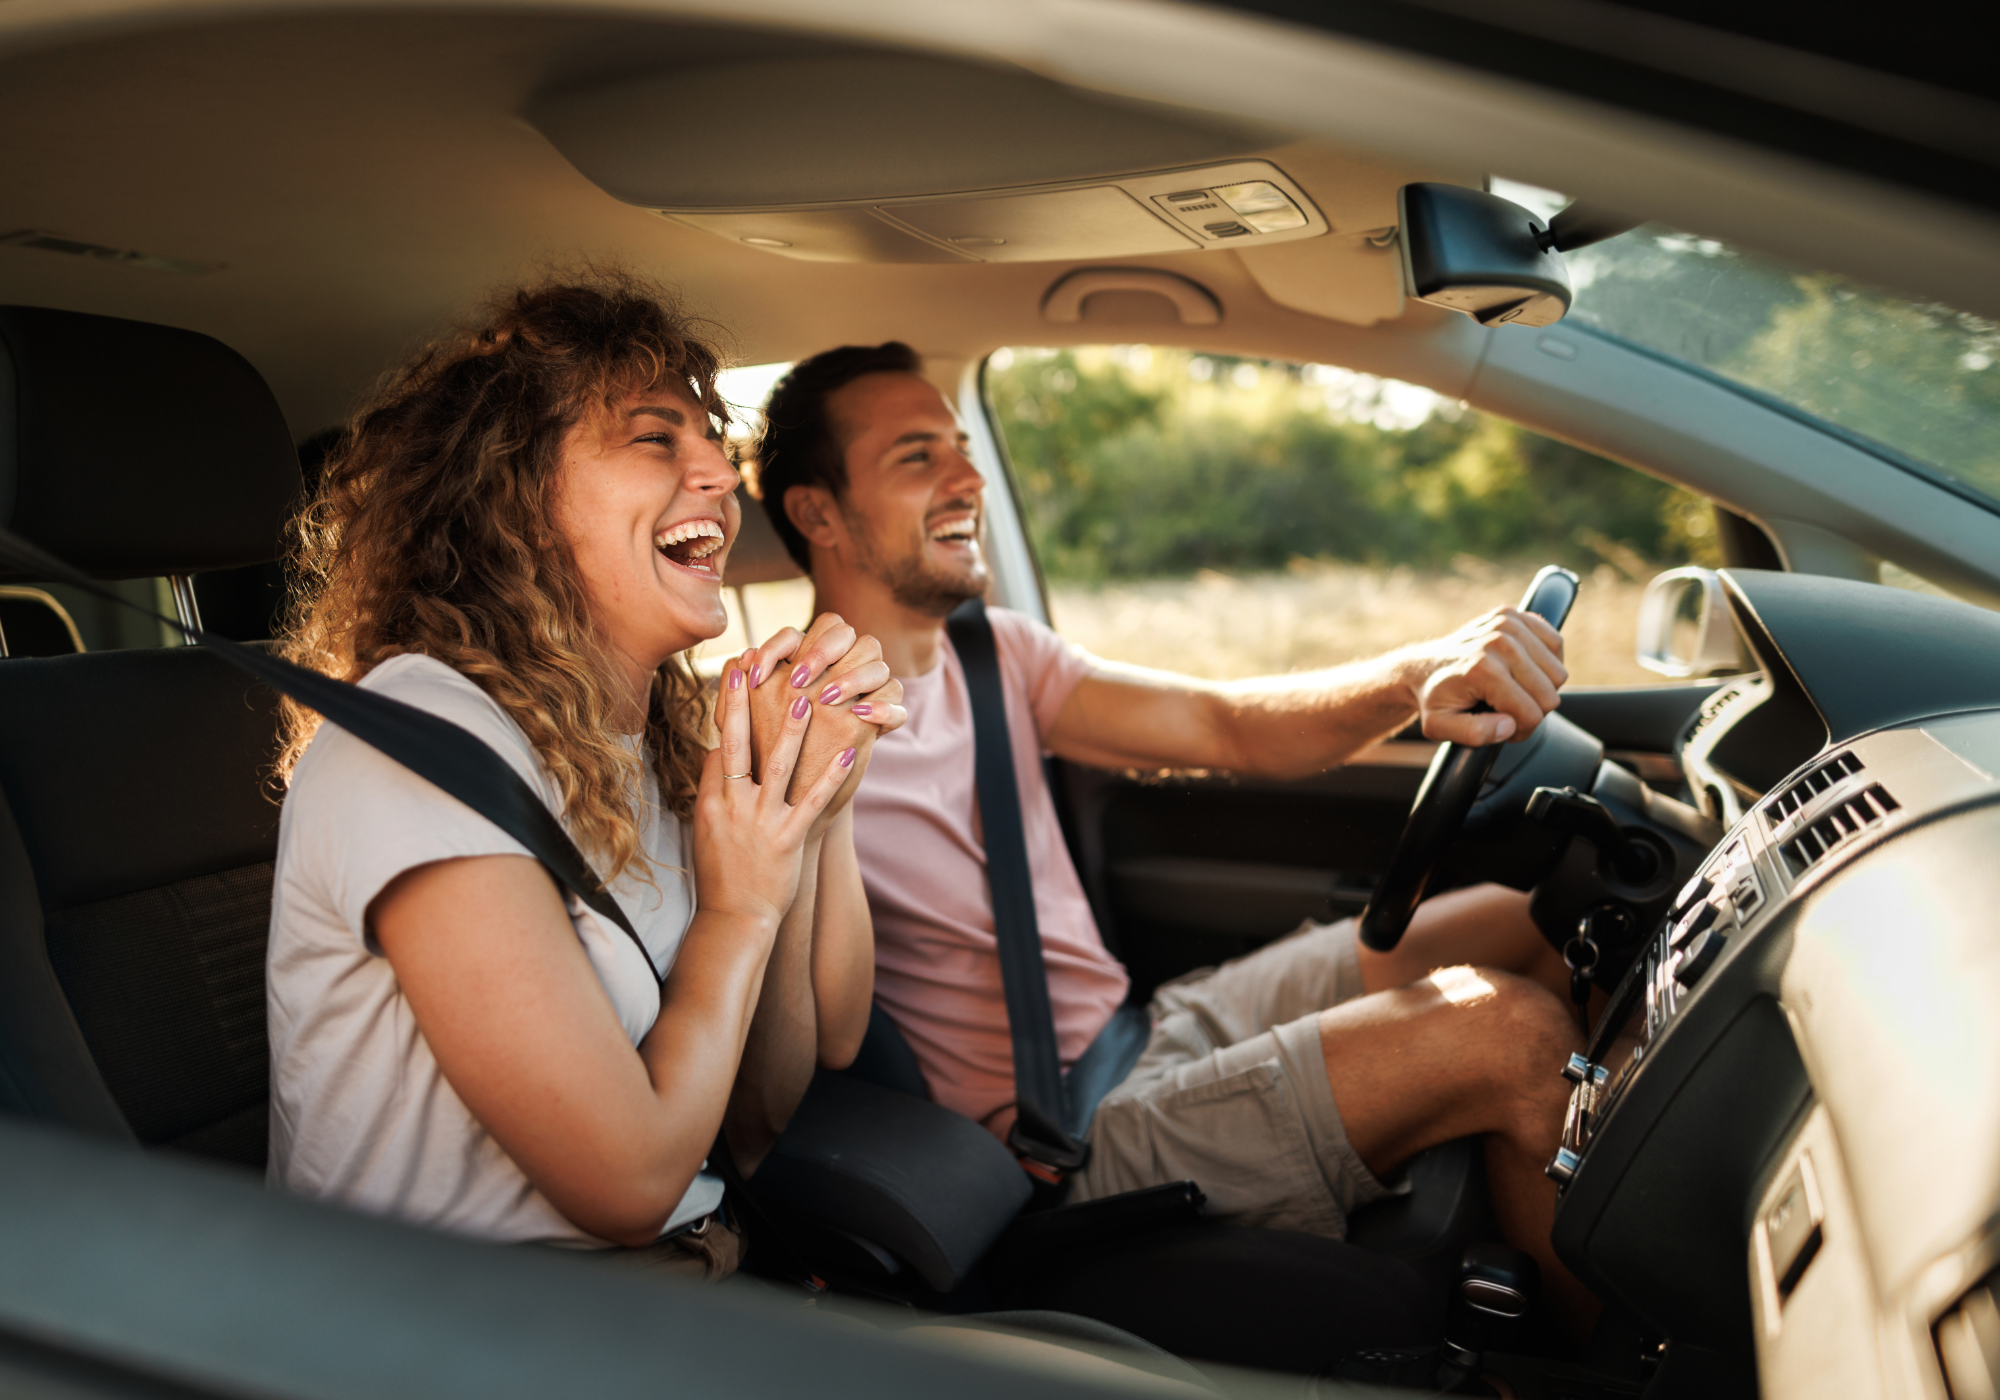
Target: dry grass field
{"points": [[1223, 626]]}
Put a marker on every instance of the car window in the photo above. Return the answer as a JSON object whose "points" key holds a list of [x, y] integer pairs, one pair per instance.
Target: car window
{"points": [[755, 610], [1917, 381], [1233, 517]]}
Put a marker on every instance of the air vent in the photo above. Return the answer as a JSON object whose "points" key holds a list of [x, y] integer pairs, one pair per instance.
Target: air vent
{"points": [[1793, 799], [1836, 825]]}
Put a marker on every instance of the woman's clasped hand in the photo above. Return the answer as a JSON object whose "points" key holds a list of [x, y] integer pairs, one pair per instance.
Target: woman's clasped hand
{"points": [[796, 719], [833, 675]]}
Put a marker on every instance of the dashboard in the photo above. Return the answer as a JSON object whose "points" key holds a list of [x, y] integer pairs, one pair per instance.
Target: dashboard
{"points": [[1783, 1139]]}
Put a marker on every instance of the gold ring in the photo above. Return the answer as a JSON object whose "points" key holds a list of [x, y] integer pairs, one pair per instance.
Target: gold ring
{"points": [[735, 775]]}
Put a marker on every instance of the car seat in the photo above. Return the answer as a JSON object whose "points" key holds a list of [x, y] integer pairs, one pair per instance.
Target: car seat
{"points": [[136, 831]]}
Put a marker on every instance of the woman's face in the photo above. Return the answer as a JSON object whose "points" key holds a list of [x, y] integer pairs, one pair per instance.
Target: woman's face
{"points": [[645, 500]]}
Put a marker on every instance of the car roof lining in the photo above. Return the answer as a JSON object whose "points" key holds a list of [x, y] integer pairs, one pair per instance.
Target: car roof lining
{"points": [[371, 175]]}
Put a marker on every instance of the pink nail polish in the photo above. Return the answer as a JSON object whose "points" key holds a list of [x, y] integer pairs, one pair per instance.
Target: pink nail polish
{"points": [[829, 695], [735, 679], [799, 708], [801, 676], [756, 676], [863, 711], [847, 758]]}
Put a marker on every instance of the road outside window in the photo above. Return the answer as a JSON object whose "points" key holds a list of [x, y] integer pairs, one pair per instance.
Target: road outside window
{"points": [[1231, 517]]}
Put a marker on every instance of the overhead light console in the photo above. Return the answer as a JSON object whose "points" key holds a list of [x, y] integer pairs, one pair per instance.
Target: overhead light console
{"points": [[1234, 204]]}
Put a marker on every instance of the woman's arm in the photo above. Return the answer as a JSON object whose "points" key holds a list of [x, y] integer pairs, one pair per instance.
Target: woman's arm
{"points": [[813, 1009], [778, 1056], [821, 975], [508, 1002], [843, 969]]}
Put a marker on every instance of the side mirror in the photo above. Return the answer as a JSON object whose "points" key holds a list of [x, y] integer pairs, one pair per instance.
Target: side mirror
{"points": [[1470, 251], [1684, 626]]}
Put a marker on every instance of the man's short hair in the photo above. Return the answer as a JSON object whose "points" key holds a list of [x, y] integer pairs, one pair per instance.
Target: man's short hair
{"points": [[798, 447]]}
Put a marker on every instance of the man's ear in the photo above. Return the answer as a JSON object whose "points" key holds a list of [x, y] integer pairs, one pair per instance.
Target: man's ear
{"points": [[815, 514]]}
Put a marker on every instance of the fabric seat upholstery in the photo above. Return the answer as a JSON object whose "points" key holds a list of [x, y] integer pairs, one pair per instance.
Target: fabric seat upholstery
{"points": [[137, 824]]}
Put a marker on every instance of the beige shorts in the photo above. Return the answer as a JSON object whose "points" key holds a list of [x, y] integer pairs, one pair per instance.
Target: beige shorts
{"points": [[1231, 1093]]}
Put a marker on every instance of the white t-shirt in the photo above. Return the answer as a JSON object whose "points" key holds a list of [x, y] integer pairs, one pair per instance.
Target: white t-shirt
{"points": [[360, 1112]]}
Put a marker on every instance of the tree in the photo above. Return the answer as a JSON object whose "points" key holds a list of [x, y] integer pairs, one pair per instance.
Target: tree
{"points": [[1135, 464]]}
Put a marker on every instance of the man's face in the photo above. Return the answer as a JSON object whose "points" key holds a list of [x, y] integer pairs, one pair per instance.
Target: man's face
{"points": [[913, 504]]}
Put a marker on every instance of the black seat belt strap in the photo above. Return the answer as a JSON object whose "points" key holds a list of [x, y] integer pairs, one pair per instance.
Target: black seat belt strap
{"points": [[1038, 1135]]}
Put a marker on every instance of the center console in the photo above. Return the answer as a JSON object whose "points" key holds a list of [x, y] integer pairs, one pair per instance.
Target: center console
{"points": [[1692, 1078]]}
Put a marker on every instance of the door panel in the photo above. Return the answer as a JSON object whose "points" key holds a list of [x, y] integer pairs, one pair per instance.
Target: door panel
{"points": [[1187, 871]]}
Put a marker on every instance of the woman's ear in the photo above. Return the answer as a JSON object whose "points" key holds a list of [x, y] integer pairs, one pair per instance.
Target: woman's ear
{"points": [[812, 511]]}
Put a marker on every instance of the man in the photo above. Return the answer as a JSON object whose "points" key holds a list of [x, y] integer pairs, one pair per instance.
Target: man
{"points": [[1288, 1084]]}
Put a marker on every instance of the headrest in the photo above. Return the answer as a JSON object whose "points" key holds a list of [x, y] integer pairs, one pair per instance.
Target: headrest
{"points": [[133, 450]]}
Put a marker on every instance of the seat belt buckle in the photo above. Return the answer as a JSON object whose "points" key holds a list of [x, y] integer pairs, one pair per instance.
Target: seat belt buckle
{"points": [[1042, 1172], [1047, 1162]]}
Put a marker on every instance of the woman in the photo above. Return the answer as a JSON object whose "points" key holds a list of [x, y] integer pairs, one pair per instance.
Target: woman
{"points": [[524, 533]]}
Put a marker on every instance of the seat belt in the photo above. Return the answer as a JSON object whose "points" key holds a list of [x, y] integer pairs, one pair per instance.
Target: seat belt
{"points": [[449, 757], [1039, 1137]]}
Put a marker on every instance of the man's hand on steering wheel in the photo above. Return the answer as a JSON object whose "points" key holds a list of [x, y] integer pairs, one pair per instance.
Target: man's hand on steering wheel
{"points": [[1510, 659], [1507, 659]]}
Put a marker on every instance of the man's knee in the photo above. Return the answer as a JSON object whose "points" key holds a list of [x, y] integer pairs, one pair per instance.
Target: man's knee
{"points": [[1517, 1029], [1527, 1035]]}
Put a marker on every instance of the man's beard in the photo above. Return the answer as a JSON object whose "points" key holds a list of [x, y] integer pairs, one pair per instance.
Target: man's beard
{"points": [[918, 586]]}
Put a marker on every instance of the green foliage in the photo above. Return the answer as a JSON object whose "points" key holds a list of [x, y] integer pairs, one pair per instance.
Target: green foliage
{"points": [[1165, 463], [1920, 378]]}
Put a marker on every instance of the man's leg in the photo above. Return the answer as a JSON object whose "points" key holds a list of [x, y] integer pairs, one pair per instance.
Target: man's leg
{"points": [[1464, 1050], [1483, 926]]}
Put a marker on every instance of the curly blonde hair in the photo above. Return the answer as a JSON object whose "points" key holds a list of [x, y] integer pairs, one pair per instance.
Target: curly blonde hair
{"points": [[433, 531]]}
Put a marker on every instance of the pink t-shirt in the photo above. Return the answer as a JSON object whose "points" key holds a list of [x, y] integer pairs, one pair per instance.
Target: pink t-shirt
{"points": [[916, 828]]}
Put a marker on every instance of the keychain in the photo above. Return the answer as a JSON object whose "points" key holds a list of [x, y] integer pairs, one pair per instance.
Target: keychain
{"points": [[1580, 956]]}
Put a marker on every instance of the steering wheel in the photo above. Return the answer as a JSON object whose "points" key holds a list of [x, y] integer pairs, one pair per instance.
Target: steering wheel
{"points": [[1450, 788]]}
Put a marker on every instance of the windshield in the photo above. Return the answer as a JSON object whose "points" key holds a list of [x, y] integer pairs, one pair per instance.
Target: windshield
{"points": [[1920, 379]]}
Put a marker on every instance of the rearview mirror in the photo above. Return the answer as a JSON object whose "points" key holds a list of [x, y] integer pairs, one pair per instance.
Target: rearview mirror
{"points": [[1684, 626], [1470, 251]]}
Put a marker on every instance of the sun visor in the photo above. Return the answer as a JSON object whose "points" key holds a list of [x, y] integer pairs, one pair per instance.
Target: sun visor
{"points": [[903, 159], [134, 450]]}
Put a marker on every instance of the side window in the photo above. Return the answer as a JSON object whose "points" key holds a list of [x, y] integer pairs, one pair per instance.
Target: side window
{"points": [[1229, 517]]}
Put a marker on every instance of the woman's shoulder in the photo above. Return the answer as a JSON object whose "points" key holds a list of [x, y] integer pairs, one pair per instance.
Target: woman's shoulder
{"points": [[429, 684], [434, 685]]}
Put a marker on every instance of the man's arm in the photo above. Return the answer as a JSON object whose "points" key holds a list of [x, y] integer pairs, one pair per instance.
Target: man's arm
{"points": [[1290, 726]]}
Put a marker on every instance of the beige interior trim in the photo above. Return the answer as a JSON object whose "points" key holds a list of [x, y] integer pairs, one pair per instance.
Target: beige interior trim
{"points": [[1195, 304]]}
